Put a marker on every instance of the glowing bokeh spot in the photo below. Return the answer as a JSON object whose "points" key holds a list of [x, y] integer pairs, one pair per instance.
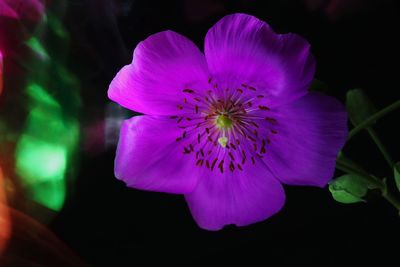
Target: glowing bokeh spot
{"points": [[44, 150], [57, 27], [5, 223], [38, 48], [1, 72], [40, 161]]}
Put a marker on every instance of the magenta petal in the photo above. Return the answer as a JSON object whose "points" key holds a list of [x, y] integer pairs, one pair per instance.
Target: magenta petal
{"points": [[163, 65], [148, 157], [239, 198], [311, 131], [243, 48]]}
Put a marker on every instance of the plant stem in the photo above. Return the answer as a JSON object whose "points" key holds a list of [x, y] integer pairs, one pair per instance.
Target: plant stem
{"points": [[376, 183], [374, 118], [381, 147], [347, 168]]}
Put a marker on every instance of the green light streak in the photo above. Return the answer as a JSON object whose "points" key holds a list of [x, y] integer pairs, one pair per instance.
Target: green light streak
{"points": [[37, 47], [44, 150]]}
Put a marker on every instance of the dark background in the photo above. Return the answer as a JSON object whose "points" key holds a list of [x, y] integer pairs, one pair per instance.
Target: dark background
{"points": [[107, 224]]}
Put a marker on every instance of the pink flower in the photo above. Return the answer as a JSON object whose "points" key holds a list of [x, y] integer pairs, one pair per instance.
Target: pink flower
{"points": [[226, 128]]}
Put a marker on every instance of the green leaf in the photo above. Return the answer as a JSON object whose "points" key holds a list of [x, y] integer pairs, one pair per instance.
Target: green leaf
{"points": [[397, 174], [348, 189], [359, 106]]}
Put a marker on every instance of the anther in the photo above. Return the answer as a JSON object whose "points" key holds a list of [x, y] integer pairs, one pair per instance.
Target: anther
{"points": [[251, 138], [231, 166], [255, 133], [221, 166], [254, 124], [199, 162], [233, 146], [207, 164], [264, 108], [213, 163], [270, 120], [239, 167]]}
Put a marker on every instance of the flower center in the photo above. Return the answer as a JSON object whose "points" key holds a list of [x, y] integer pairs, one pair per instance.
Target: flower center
{"points": [[224, 122], [225, 128]]}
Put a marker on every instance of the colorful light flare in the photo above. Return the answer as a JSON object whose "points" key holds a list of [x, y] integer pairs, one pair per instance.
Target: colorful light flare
{"points": [[44, 149], [5, 223], [1, 72]]}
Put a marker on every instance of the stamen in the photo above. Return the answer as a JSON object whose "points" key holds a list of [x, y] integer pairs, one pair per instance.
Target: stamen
{"points": [[213, 163], [270, 120], [264, 108], [221, 166], [239, 167], [231, 166], [207, 164], [228, 119]]}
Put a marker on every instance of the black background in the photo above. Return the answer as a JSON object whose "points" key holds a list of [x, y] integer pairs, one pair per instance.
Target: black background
{"points": [[108, 224]]}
